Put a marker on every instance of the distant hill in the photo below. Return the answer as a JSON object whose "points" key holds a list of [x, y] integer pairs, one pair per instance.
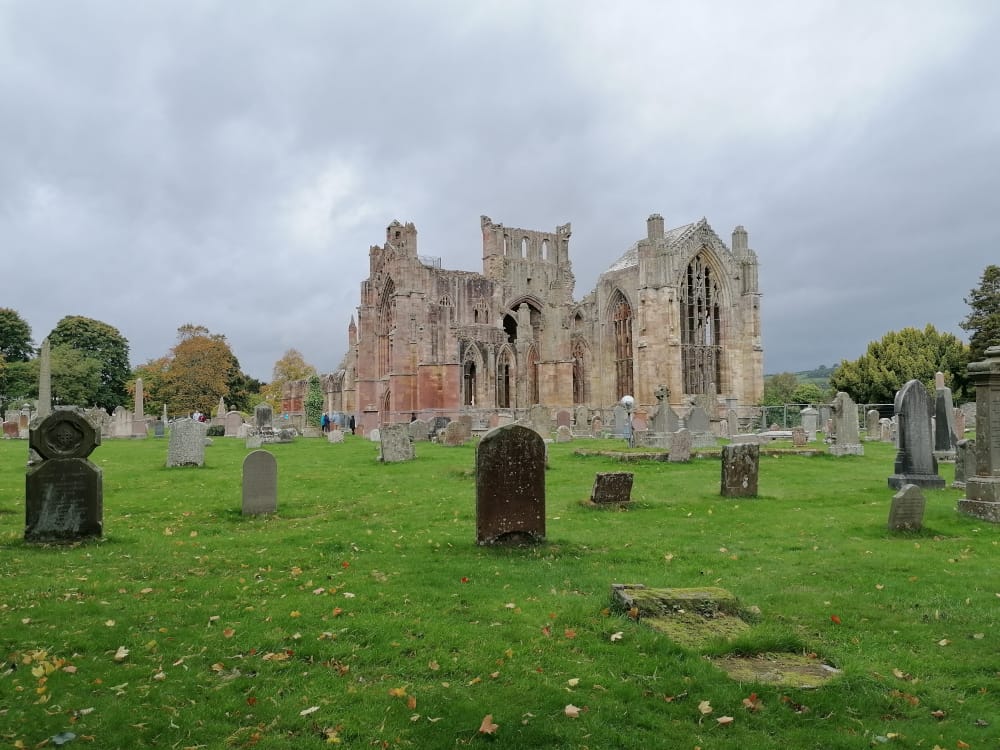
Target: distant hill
{"points": [[819, 376]]}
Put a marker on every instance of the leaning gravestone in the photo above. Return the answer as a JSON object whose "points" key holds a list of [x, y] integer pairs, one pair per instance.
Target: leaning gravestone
{"points": [[915, 462], [907, 510], [187, 443], [64, 492], [847, 435], [612, 488], [260, 483], [395, 444], [680, 446], [740, 467], [510, 486], [982, 491]]}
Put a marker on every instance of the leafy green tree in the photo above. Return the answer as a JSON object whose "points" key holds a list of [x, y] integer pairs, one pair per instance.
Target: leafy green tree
{"points": [[292, 366], [244, 391], [314, 402], [20, 383], [808, 393], [103, 343], [983, 320], [778, 389], [15, 337], [898, 357], [76, 377]]}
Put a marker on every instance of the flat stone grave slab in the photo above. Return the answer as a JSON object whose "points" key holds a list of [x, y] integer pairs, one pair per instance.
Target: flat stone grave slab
{"points": [[695, 617]]}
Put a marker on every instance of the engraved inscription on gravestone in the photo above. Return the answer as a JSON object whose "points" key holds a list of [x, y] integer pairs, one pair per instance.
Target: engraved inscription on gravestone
{"points": [[510, 486], [612, 487], [907, 510]]}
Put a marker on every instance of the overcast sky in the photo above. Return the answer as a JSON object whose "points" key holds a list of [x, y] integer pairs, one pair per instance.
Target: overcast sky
{"points": [[229, 164]]}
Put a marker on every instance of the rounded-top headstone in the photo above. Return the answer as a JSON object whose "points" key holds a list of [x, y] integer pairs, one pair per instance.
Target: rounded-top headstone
{"points": [[65, 433]]}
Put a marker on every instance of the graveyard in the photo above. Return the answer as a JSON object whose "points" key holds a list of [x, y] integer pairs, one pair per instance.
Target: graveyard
{"points": [[363, 612]]}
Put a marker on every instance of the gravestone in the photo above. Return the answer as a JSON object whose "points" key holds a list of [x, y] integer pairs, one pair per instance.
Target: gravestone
{"points": [[375, 435], [419, 430], [697, 421], [907, 510], [823, 417], [665, 420], [732, 423], [139, 426], [439, 424], [395, 444], [915, 462], [581, 420], [965, 462], [455, 433], [44, 380], [810, 422], [260, 483], [121, 423], [335, 436], [982, 491], [597, 426], [871, 424], [263, 416], [563, 434], [959, 417], [233, 423], [969, 410], [254, 442], [799, 437], [159, 429], [885, 430], [740, 467], [541, 420], [221, 411], [285, 435], [680, 446], [563, 418], [847, 436], [510, 486], [945, 436], [11, 430], [612, 487], [64, 491], [621, 417], [187, 443]]}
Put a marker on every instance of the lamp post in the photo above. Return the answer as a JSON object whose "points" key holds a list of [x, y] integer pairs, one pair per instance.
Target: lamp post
{"points": [[629, 403]]}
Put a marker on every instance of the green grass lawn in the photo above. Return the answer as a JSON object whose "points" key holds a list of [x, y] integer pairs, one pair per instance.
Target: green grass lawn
{"points": [[364, 615]]}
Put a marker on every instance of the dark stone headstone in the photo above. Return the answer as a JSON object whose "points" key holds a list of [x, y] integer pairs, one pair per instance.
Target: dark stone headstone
{"points": [[915, 462], [612, 487], [439, 423], [510, 486], [907, 510], [260, 483], [395, 444], [419, 430], [680, 446], [740, 467], [64, 495], [159, 430], [263, 416]]}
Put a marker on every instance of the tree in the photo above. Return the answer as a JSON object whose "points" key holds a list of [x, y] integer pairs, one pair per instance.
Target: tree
{"points": [[292, 366], [103, 343], [314, 402], [898, 357], [778, 389], [983, 321], [76, 377], [15, 337], [808, 393], [198, 370]]}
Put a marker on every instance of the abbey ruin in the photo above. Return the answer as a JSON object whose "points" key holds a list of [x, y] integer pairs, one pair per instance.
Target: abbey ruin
{"points": [[679, 309]]}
